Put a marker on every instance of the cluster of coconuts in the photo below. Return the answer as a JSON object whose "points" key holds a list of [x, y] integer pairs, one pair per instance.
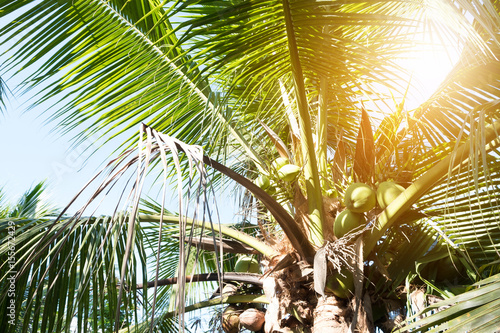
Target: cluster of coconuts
{"points": [[234, 317], [360, 198], [284, 170]]}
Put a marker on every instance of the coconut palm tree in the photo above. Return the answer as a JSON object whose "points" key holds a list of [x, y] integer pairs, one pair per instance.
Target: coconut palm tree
{"points": [[364, 211]]}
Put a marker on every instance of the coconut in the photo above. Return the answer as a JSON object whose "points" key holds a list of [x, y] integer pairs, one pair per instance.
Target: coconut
{"points": [[359, 198], [252, 319], [279, 163], [340, 284], [229, 290], [247, 264], [346, 221], [288, 172], [271, 190], [231, 320], [387, 192], [263, 182]]}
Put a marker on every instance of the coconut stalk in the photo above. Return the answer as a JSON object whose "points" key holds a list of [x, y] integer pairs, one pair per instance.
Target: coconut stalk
{"points": [[226, 300], [228, 245], [252, 278], [253, 242]]}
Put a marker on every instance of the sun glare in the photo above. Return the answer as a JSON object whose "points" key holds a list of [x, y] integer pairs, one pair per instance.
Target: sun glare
{"points": [[428, 63]]}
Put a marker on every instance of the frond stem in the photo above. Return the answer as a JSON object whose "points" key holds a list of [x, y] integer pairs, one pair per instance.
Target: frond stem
{"points": [[199, 92], [253, 242], [255, 279], [313, 185]]}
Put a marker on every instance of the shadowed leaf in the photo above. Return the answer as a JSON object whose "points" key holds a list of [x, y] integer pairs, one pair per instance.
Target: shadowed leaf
{"points": [[474, 310], [278, 143]]}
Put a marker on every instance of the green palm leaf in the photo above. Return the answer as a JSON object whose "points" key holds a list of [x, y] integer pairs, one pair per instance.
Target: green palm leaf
{"points": [[473, 311], [78, 257], [3, 94]]}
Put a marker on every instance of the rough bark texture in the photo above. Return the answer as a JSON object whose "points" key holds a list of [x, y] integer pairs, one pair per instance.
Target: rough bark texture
{"points": [[272, 313], [295, 307], [331, 315], [363, 317], [291, 300]]}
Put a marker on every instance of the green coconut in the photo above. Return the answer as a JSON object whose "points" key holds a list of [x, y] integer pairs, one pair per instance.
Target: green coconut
{"points": [[346, 221], [288, 172], [247, 264], [271, 190], [359, 198], [387, 192], [340, 284], [279, 163], [263, 182]]}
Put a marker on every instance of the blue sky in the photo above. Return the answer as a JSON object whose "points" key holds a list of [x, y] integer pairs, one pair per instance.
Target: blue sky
{"points": [[33, 150]]}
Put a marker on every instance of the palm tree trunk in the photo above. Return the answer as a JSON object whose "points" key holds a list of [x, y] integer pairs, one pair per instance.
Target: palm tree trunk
{"points": [[331, 315], [292, 309]]}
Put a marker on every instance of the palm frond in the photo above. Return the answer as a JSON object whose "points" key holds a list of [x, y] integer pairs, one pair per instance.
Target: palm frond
{"points": [[129, 63], [4, 205], [476, 310], [451, 110], [32, 204], [3, 94], [428, 180], [152, 147], [79, 257], [458, 213], [117, 66]]}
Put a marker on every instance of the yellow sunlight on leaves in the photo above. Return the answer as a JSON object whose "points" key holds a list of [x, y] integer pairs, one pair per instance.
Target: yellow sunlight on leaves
{"points": [[429, 62]]}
